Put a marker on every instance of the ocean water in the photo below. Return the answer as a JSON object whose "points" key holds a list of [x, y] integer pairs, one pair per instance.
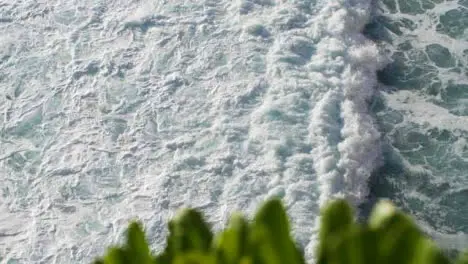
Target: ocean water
{"points": [[114, 110], [423, 114]]}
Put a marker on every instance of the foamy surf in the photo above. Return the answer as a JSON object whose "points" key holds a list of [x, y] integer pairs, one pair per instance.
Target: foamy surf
{"points": [[346, 139], [120, 111]]}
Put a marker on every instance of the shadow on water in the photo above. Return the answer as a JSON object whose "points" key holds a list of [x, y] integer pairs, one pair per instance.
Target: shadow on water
{"points": [[390, 182], [380, 185], [379, 30], [376, 30]]}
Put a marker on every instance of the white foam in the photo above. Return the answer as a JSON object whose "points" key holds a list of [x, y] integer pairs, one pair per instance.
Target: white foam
{"points": [[346, 152], [325, 129], [419, 110], [143, 108], [339, 25]]}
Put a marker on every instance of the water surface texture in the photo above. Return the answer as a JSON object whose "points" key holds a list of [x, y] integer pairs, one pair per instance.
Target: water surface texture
{"points": [[113, 110], [424, 116]]}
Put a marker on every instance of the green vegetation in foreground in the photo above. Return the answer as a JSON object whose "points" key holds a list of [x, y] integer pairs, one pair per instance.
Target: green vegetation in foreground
{"points": [[389, 237]]}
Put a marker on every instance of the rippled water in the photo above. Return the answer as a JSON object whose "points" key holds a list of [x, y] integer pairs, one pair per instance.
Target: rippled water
{"points": [[114, 110], [424, 117]]}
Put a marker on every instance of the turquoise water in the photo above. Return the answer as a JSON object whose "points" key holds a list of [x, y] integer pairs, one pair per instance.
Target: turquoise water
{"points": [[113, 110], [426, 154]]}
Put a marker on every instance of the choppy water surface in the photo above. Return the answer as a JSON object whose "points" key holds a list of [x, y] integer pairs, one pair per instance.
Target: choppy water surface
{"points": [[424, 119], [113, 110]]}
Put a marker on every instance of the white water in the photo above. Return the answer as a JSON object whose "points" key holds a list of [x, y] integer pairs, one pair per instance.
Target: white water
{"points": [[123, 110]]}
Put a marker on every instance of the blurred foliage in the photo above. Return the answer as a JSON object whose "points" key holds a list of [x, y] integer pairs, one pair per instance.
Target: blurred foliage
{"points": [[389, 236]]}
